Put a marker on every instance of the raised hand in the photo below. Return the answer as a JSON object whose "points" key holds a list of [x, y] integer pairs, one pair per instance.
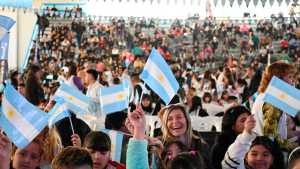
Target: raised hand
{"points": [[138, 122], [249, 124], [76, 140]]}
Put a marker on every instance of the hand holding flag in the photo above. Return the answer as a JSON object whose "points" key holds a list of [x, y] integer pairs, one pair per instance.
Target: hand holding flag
{"points": [[159, 77]]}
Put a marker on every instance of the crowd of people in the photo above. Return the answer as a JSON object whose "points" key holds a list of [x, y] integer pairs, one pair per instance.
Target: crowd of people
{"points": [[214, 81]]}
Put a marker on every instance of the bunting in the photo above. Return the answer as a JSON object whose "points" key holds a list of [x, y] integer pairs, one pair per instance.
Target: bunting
{"points": [[215, 2], [287, 2], [279, 2], [255, 2], [223, 2], [271, 2], [240, 2], [247, 3], [231, 2], [263, 2]]}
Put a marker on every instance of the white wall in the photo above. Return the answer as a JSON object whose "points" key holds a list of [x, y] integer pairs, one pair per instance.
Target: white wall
{"points": [[20, 35]]}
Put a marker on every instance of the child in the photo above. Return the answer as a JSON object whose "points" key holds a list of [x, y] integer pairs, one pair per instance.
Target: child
{"points": [[73, 158]]}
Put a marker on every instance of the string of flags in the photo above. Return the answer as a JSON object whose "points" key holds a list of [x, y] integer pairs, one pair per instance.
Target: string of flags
{"points": [[198, 2]]}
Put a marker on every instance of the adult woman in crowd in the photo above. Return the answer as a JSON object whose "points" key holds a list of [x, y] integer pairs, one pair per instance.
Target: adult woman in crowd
{"points": [[271, 121], [249, 151], [176, 125], [33, 88], [232, 125]]}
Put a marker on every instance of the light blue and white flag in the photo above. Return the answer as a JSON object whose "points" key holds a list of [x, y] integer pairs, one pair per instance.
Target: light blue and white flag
{"points": [[114, 98], [159, 77], [6, 22], [58, 112], [116, 138], [20, 120], [283, 96], [4, 47], [76, 101]]}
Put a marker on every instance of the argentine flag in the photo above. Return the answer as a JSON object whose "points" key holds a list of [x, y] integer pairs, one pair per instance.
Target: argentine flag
{"points": [[114, 98], [76, 101], [21, 120], [159, 77], [116, 138], [283, 96], [58, 112]]}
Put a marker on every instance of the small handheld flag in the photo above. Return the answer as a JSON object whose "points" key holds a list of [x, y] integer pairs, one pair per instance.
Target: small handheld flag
{"points": [[283, 96], [159, 77], [116, 138], [76, 101], [58, 112], [20, 120], [114, 98]]}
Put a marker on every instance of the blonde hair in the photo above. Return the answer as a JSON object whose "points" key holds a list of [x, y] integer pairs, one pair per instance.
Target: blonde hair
{"points": [[164, 114], [51, 143], [279, 69]]}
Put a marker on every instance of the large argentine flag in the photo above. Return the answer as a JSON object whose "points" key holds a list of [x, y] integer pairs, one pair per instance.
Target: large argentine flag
{"points": [[21, 121], [114, 98], [76, 101], [116, 138], [159, 77], [283, 96]]}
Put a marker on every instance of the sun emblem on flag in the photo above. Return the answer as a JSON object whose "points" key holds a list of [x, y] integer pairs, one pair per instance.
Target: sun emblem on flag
{"points": [[113, 147], [282, 96], [161, 78], [10, 114], [120, 96], [70, 97]]}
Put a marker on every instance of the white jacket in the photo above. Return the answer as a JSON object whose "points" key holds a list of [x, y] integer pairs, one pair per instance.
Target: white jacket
{"points": [[235, 155]]}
